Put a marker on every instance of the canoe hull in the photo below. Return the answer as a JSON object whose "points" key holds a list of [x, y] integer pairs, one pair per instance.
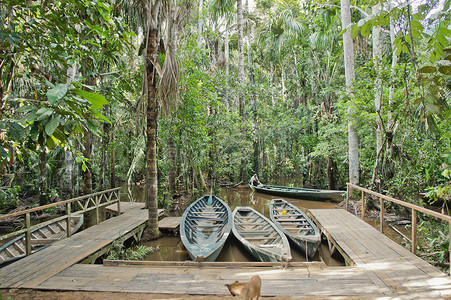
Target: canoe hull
{"points": [[10, 252], [287, 218], [205, 227], [249, 225], [298, 193]]}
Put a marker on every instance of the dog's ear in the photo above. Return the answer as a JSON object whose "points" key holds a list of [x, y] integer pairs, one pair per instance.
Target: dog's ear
{"points": [[236, 281], [227, 285]]}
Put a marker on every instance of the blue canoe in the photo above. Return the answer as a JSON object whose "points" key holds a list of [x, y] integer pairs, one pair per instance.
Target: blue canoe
{"points": [[260, 236], [292, 221], [204, 228]]}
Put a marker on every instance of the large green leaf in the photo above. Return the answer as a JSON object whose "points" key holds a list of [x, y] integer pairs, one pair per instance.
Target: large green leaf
{"points": [[58, 92], [52, 125], [427, 69], [97, 101], [43, 113], [445, 70], [16, 131]]}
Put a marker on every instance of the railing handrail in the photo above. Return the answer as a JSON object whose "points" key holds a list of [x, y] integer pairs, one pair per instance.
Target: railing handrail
{"points": [[403, 203], [23, 212]]}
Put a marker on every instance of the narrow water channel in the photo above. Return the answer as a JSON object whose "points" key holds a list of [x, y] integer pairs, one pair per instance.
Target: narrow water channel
{"points": [[171, 248]]}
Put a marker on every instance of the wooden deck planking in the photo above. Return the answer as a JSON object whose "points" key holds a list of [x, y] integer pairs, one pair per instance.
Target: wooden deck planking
{"points": [[46, 263], [206, 281], [399, 270], [169, 223]]}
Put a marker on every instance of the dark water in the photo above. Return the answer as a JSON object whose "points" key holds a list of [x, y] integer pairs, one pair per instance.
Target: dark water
{"points": [[172, 249]]}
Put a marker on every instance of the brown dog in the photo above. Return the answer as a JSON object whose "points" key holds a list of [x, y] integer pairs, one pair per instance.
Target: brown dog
{"points": [[247, 290]]}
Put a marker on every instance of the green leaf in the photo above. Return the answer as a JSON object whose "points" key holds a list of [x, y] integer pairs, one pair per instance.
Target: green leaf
{"points": [[25, 108], [98, 115], [97, 101], [16, 131], [354, 30], [56, 93], [52, 125], [427, 69], [43, 113], [445, 70], [50, 143]]}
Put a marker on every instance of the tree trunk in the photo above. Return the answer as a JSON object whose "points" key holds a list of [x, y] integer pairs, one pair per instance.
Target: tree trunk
{"points": [[113, 160], [172, 166], [87, 153], [226, 64], [393, 65], [377, 56], [68, 173], [353, 140], [331, 167], [152, 129], [43, 188], [253, 101], [239, 8]]}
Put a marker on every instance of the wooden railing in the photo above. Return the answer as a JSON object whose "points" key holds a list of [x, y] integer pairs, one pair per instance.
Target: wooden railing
{"points": [[74, 206], [413, 207]]}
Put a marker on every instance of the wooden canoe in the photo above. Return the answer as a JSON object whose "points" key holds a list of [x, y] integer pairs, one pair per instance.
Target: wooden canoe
{"points": [[260, 236], [298, 193], [204, 228], [40, 238], [296, 225]]}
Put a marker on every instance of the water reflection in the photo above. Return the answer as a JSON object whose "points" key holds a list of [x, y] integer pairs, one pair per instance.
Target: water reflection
{"points": [[172, 249]]}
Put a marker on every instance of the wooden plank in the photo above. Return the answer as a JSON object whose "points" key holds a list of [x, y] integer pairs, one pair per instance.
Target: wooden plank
{"points": [[169, 223]]}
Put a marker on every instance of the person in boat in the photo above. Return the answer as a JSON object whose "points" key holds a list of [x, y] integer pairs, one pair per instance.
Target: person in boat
{"points": [[254, 180]]}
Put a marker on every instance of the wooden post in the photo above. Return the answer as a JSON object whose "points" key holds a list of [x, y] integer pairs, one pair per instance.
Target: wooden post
{"points": [[119, 206], [28, 234], [97, 200], [363, 205], [68, 221], [347, 196], [414, 231], [382, 215]]}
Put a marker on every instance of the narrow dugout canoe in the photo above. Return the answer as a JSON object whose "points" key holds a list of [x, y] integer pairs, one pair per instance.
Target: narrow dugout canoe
{"points": [[296, 225], [260, 236], [204, 228], [40, 238], [298, 193]]}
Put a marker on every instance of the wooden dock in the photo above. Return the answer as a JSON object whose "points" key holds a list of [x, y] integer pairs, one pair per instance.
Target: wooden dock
{"points": [[378, 268], [88, 244], [391, 267]]}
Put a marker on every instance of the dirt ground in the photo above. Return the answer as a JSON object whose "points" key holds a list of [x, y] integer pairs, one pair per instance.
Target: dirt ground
{"points": [[26, 294]]}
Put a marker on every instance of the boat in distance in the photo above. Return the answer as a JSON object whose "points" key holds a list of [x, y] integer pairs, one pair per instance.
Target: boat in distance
{"points": [[204, 228], [260, 236], [298, 193], [292, 221], [40, 238]]}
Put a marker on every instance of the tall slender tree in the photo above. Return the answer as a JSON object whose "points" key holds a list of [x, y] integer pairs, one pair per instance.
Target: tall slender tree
{"points": [[353, 140]]}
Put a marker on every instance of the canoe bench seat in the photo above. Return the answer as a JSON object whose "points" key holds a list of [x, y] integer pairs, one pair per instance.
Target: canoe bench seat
{"points": [[289, 215], [255, 232], [261, 238], [270, 246], [250, 223]]}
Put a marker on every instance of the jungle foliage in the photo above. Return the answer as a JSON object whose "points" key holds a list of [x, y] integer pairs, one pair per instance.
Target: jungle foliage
{"points": [[72, 78]]}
